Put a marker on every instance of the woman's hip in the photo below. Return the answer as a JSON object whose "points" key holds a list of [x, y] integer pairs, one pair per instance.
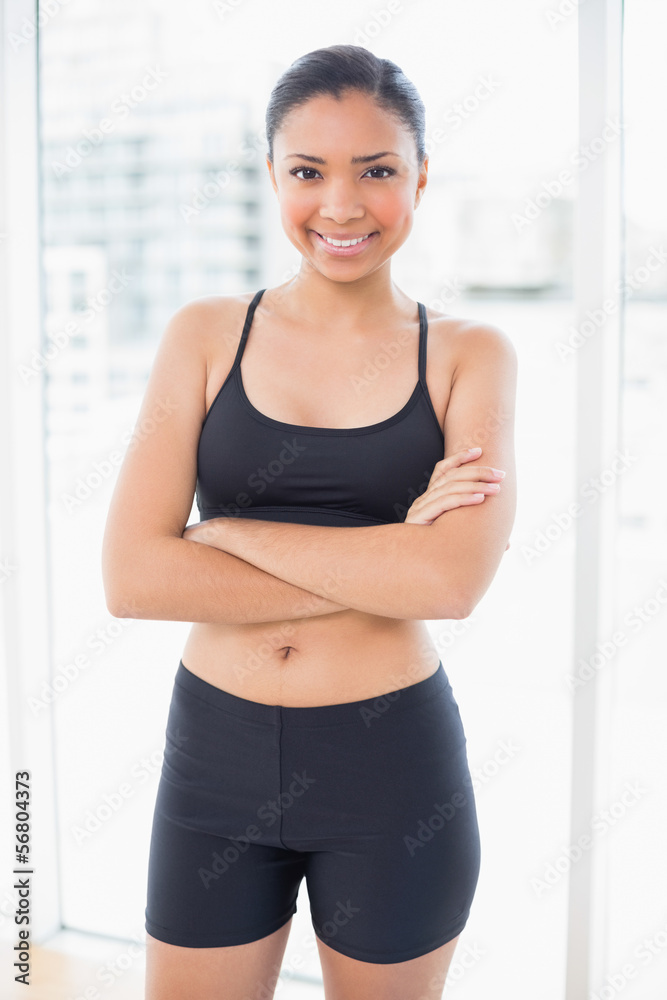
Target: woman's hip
{"points": [[304, 777]]}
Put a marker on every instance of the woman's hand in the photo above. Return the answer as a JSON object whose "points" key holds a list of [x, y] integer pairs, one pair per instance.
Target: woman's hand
{"points": [[454, 484]]}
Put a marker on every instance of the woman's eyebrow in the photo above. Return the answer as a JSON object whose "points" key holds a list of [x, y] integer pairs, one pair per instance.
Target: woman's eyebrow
{"points": [[355, 159]]}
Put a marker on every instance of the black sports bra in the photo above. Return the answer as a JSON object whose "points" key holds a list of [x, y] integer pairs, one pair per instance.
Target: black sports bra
{"points": [[250, 465]]}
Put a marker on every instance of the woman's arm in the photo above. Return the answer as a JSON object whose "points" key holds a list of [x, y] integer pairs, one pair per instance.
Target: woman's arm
{"points": [[177, 580], [149, 570], [433, 571]]}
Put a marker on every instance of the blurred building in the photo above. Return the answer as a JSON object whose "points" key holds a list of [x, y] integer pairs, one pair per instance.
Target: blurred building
{"points": [[150, 199]]}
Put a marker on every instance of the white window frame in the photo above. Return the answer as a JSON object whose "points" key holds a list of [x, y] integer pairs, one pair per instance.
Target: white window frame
{"points": [[24, 595], [598, 264]]}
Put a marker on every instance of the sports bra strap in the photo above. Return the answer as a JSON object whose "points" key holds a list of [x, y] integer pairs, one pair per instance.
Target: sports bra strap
{"points": [[423, 330], [246, 328]]}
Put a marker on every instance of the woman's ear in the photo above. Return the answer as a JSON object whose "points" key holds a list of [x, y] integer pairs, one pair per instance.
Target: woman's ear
{"points": [[272, 175], [421, 182]]}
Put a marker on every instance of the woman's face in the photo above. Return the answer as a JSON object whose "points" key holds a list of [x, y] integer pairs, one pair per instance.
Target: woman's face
{"points": [[323, 193]]}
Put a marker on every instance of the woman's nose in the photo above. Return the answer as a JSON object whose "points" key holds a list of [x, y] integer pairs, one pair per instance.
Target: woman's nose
{"points": [[341, 203]]}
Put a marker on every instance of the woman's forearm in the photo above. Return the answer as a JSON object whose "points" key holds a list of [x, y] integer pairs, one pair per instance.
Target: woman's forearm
{"points": [[386, 569], [175, 579]]}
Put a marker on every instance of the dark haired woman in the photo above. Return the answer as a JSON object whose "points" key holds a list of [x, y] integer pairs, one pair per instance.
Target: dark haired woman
{"points": [[313, 731]]}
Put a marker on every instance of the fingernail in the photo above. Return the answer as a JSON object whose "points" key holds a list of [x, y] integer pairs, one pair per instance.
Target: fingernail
{"points": [[498, 472]]}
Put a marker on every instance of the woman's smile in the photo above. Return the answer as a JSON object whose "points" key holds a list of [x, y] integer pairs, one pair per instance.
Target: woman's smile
{"points": [[343, 246]]}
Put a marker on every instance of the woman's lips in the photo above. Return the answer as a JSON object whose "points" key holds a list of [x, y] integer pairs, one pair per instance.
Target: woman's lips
{"points": [[344, 251]]}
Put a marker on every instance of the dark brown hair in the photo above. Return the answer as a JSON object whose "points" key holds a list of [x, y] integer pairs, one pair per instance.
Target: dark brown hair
{"points": [[341, 68]]}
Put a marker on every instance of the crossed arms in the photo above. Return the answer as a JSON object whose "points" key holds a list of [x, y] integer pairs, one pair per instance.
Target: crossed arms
{"points": [[257, 571]]}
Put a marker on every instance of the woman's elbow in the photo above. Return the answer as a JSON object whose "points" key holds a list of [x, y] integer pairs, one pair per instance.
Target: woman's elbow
{"points": [[450, 609], [120, 598], [119, 583], [468, 598], [443, 598], [122, 606]]}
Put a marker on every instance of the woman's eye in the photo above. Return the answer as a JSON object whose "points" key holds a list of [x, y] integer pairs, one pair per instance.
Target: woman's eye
{"points": [[307, 170], [388, 171]]}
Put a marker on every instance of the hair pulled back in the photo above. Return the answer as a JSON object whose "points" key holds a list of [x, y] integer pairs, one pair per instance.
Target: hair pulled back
{"points": [[340, 68]]}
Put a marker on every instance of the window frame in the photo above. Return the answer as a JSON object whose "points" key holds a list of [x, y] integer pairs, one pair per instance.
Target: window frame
{"points": [[598, 264], [24, 597]]}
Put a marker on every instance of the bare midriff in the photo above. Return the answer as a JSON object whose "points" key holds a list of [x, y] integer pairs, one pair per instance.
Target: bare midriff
{"points": [[326, 659]]}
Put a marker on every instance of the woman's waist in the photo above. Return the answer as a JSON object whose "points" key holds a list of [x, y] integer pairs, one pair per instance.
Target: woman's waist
{"points": [[325, 659]]}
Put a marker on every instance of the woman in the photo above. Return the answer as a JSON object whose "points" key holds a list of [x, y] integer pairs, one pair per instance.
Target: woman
{"points": [[312, 730]]}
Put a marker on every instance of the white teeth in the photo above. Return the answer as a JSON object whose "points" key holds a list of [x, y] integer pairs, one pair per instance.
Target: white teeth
{"points": [[346, 243]]}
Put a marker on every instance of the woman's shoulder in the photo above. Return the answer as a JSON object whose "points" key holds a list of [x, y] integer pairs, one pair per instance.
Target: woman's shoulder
{"points": [[466, 329], [457, 340], [215, 307], [210, 321]]}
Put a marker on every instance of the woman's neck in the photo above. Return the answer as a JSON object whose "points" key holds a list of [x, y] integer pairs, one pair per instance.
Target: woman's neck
{"points": [[346, 305]]}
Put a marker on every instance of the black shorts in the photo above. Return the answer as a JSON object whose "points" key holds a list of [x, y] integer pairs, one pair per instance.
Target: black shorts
{"points": [[370, 800]]}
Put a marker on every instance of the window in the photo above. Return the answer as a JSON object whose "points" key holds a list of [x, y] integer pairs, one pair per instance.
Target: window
{"points": [[563, 709]]}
